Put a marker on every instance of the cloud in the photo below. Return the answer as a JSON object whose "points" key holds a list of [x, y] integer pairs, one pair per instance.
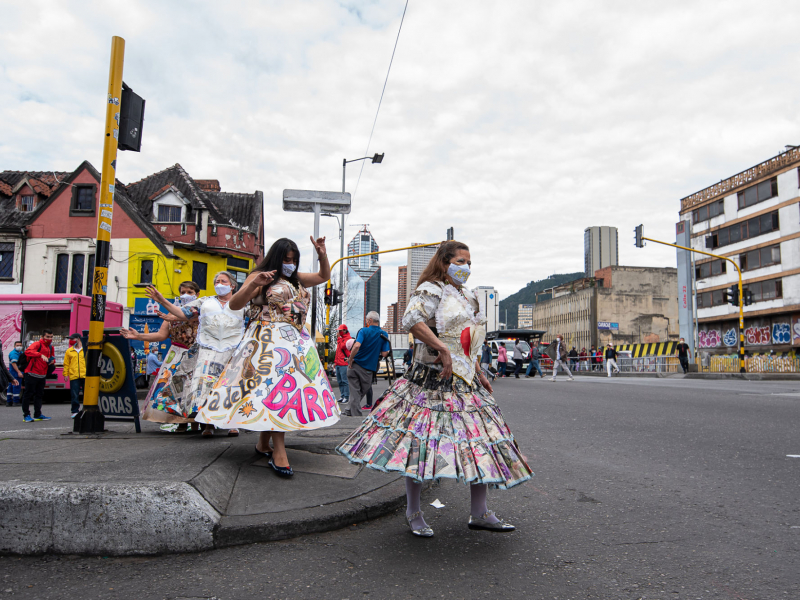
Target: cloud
{"points": [[519, 124]]}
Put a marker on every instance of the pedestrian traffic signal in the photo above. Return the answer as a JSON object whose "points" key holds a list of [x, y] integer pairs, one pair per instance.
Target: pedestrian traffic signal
{"points": [[332, 297], [748, 297], [131, 112], [732, 295], [638, 233]]}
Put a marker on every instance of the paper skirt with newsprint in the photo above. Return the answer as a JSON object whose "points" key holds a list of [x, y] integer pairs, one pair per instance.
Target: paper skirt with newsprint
{"points": [[273, 382]]}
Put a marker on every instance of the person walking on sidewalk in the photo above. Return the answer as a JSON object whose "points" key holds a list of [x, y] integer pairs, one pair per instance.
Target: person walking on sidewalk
{"points": [[502, 360], [535, 357], [582, 358], [683, 353], [372, 344], [15, 375], [340, 362], [611, 359], [8, 381], [573, 359], [75, 372], [518, 358], [442, 422], [560, 359], [153, 365], [40, 356], [486, 359]]}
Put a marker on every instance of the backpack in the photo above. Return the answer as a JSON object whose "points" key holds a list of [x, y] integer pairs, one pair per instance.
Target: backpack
{"points": [[22, 361]]}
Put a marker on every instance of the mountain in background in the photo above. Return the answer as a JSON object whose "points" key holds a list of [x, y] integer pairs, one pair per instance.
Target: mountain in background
{"points": [[527, 295]]}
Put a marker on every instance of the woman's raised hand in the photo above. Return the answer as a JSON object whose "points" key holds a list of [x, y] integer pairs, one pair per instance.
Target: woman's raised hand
{"points": [[319, 246], [166, 316], [129, 334], [154, 294]]}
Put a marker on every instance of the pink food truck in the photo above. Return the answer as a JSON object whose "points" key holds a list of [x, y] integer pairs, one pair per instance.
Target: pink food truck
{"points": [[23, 316]]}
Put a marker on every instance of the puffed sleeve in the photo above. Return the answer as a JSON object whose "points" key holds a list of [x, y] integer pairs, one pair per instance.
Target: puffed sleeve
{"points": [[422, 305], [192, 309]]}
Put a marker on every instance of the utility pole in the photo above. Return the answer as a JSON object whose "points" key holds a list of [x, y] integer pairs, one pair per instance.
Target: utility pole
{"points": [[92, 420]]}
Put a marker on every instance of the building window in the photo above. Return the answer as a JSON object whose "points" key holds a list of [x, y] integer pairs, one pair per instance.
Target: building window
{"points": [[76, 277], [146, 274], [758, 193], [200, 274], [239, 263], [765, 290], [763, 257], [240, 277], [704, 213], [710, 269], [26, 203], [6, 261], [751, 228], [83, 200], [62, 273], [90, 275], [169, 214]]}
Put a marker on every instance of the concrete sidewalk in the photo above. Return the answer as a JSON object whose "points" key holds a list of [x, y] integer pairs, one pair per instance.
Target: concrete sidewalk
{"points": [[122, 493]]}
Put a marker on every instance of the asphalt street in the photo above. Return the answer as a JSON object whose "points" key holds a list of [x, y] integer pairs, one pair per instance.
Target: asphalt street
{"points": [[644, 488]]}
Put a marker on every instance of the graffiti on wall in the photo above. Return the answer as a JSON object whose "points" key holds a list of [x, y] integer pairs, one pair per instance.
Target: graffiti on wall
{"points": [[758, 336], [795, 331], [781, 333], [730, 338], [708, 339]]}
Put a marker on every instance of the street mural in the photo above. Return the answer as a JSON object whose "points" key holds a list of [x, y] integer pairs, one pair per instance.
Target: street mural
{"points": [[795, 331], [757, 336], [781, 333], [708, 339], [730, 338]]}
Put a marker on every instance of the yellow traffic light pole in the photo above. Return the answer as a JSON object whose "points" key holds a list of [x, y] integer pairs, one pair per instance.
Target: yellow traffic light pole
{"points": [[92, 419], [329, 286], [741, 292]]}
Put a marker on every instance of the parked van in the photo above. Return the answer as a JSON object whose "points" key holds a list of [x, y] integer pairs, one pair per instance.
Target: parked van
{"points": [[23, 316]]}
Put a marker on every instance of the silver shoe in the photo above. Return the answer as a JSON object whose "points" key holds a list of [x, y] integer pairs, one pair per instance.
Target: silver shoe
{"points": [[422, 531], [482, 522]]}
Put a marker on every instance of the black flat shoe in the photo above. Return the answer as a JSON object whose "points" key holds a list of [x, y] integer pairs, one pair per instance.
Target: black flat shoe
{"points": [[282, 471], [264, 454]]}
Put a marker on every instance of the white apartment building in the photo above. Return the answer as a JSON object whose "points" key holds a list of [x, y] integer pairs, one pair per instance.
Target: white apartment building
{"points": [[489, 301], [753, 218]]}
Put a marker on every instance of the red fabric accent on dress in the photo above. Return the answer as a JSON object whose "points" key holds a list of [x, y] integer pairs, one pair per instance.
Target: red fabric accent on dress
{"points": [[466, 340]]}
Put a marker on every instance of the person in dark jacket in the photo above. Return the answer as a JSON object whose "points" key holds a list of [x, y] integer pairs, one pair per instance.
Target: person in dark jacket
{"points": [[534, 358], [40, 355], [340, 362], [573, 358], [611, 358]]}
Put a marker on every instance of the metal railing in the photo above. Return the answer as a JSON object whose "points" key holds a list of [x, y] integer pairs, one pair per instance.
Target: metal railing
{"points": [[754, 364]]}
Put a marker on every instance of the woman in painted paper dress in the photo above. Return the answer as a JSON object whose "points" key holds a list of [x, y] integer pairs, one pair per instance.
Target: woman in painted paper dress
{"points": [[440, 420], [219, 332], [275, 382], [164, 399]]}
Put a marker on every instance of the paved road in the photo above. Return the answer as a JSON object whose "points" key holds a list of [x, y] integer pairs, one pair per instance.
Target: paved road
{"points": [[658, 488]]}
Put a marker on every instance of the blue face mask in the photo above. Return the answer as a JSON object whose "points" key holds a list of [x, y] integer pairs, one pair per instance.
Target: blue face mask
{"points": [[459, 273], [288, 269]]}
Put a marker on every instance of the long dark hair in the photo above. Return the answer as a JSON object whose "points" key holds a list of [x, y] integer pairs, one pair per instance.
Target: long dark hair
{"points": [[437, 267], [273, 261]]}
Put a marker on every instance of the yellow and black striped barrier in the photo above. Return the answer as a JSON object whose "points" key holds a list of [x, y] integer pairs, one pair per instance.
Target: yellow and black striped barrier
{"points": [[654, 349]]}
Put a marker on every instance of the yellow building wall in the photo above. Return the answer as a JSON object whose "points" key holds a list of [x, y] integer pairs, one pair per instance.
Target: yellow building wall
{"points": [[169, 273]]}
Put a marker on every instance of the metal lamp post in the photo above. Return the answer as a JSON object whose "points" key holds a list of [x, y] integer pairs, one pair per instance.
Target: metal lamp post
{"points": [[376, 159]]}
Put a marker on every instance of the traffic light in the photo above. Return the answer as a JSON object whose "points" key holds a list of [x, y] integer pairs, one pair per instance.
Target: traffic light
{"points": [[131, 113], [332, 296], [748, 297], [638, 233], [732, 295]]}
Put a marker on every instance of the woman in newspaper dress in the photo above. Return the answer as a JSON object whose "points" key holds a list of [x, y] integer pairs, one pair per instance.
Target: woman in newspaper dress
{"points": [[219, 331], [164, 399], [441, 420], [274, 382]]}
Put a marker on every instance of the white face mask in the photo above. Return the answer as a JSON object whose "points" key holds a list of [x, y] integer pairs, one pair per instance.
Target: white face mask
{"points": [[222, 290], [186, 298], [288, 269], [459, 273]]}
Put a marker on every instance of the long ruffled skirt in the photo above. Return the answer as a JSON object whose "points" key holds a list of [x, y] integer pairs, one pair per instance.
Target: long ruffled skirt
{"points": [[165, 399], [430, 429]]}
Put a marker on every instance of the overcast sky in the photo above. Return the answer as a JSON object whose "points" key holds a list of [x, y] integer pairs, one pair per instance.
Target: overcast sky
{"points": [[518, 123]]}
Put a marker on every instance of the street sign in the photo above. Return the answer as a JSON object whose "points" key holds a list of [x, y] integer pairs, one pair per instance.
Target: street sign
{"points": [[328, 202], [607, 326]]}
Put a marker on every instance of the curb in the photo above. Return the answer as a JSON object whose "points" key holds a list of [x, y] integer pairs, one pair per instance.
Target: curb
{"points": [[235, 531]]}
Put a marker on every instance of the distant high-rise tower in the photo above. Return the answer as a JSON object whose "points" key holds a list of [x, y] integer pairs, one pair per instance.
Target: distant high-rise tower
{"points": [[402, 296], [600, 249], [418, 259], [369, 270]]}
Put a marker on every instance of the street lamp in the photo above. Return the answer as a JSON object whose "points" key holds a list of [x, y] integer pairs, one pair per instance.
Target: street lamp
{"points": [[376, 159]]}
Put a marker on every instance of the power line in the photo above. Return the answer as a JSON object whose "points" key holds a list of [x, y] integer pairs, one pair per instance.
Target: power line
{"points": [[381, 99]]}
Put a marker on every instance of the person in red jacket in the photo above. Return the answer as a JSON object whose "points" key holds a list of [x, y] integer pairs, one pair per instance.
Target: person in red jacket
{"points": [[340, 363], [40, 354]]}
